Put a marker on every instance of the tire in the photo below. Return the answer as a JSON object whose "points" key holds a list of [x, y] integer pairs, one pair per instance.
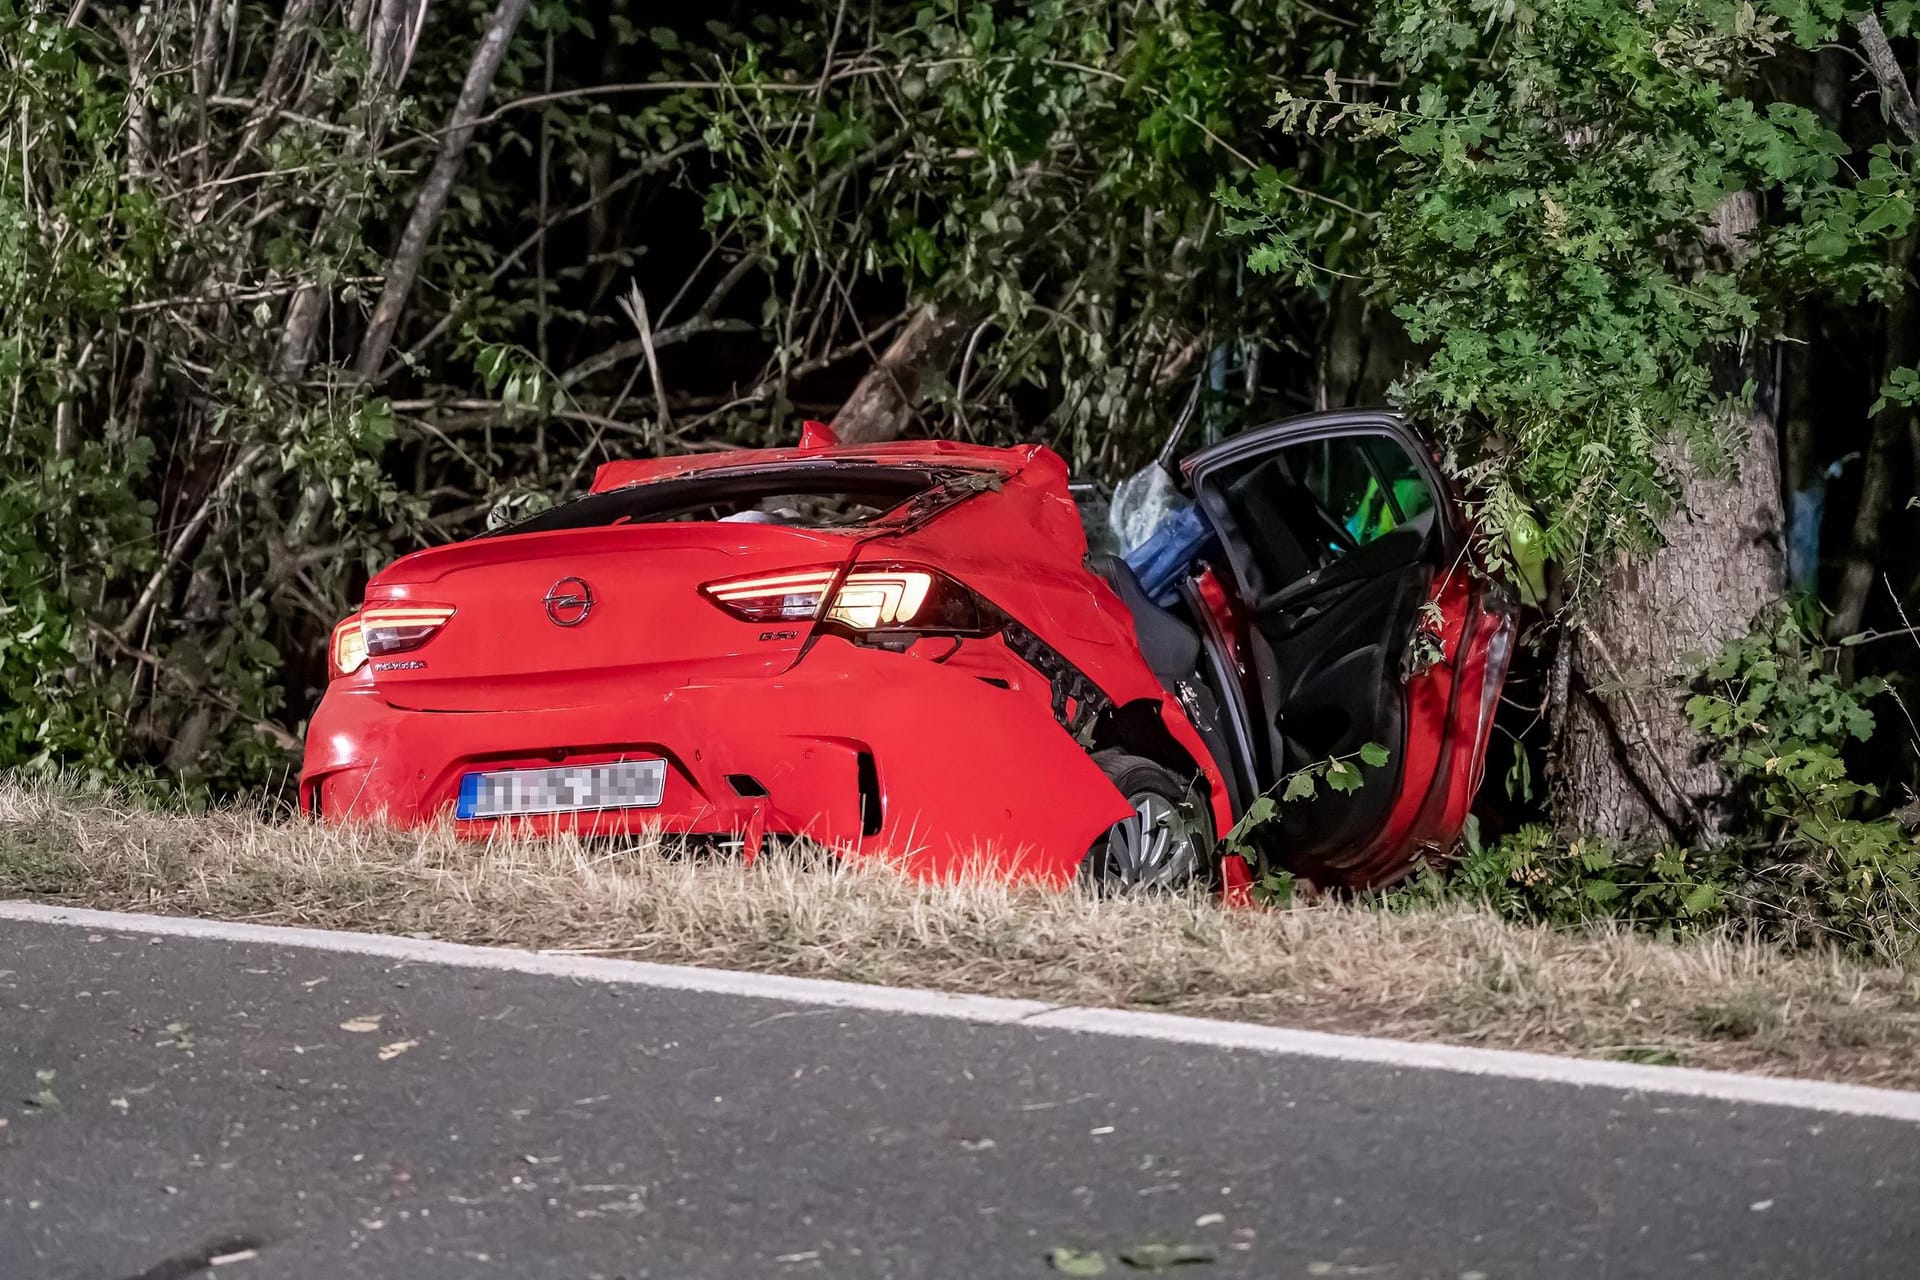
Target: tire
{"points": [[1166, 845]]}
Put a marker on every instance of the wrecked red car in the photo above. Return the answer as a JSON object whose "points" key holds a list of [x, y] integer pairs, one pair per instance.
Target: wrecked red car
{"points": [[903, 650]]}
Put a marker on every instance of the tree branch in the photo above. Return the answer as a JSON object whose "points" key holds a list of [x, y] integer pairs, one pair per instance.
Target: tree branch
{"points": [[705, 320], [1895, 93], [635, 305], [405, 266], [184, 540]]}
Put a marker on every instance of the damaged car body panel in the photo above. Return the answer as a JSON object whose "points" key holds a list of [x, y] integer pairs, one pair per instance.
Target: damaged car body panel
{"points": [[965, 736], [1352, 616], [903, 651]]}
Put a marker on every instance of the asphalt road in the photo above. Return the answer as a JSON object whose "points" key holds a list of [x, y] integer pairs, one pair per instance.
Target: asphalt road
{"points": [[166, 1100]]}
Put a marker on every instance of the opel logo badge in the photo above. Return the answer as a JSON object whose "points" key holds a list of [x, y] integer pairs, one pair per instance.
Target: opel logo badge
{"points": [[568, 602]]}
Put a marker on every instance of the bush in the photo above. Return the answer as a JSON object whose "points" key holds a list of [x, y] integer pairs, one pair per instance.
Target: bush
{"points": [[1817, 857]]}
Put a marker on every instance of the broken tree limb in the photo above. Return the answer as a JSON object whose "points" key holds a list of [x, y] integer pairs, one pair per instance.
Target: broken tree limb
{"points": [[635, 305], [881, 405], [432, 202]]}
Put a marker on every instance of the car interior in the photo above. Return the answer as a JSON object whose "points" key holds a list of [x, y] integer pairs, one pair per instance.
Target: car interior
{"points": [[1329, 546]]}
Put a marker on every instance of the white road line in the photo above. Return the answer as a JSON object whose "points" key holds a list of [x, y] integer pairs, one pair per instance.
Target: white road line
{"points": [[1807, 1095]]}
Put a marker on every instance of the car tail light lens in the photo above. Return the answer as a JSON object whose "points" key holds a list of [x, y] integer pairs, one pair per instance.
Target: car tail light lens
{"points": [[871, 598], [383, 630], [347, 651], [784, 597]]}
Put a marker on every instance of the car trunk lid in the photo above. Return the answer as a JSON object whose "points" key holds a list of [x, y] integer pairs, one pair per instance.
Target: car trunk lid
{"points": [[555, 619]]}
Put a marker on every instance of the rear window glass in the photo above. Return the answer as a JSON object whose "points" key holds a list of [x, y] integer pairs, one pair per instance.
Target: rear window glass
{"points": [[819, 496]]}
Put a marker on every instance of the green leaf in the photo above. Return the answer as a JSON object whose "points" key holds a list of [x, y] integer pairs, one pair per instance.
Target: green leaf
{"points": [[1160, 1257], [1076, 1262], [1373, 755], [1343, 777]]}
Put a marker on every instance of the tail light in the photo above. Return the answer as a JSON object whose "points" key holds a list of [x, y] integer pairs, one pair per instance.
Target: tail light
{"points": [[870, 598], [383, 630]]}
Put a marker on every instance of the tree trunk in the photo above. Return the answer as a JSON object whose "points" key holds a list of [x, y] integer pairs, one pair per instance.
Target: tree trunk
{"points": [[1631, 765], [882, 405]]}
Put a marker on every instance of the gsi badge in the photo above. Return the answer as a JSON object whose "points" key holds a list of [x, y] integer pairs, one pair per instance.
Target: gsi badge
{"points": [[568, 602]]}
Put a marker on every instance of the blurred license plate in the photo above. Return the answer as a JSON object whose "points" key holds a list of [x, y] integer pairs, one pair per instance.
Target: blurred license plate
{"points": [[630, 784]]}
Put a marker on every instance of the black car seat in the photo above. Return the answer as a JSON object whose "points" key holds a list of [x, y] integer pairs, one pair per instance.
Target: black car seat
{"points": [[1170, 646]]}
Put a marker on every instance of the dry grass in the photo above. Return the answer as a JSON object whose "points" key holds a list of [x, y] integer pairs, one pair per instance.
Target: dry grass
{"points": [[1456, 975]]}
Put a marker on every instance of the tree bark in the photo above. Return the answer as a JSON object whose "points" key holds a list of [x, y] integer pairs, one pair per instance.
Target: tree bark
{"points": [[1895, 93], [405, 265], [882, 405], [1630, 765]]}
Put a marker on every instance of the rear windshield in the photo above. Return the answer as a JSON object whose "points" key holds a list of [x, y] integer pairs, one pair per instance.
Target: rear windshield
{"points": [[801, 495]]}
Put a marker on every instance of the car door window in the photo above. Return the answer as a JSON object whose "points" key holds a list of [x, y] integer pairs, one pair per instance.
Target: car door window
{"points": [[1367, 485], [1301, 507]]}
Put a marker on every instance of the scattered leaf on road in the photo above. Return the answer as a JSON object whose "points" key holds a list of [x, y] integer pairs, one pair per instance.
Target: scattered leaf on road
{"points": [[44, 1098], [363, 1024], [1158, 1257], [1076, 1262], [388, 1052]]}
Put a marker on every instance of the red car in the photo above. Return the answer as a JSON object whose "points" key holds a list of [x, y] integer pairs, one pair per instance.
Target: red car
{"points": [[903, 650]]}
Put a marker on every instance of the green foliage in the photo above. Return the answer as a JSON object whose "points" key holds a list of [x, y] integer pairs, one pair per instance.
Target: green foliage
{"points": [[1823, 864], [1535, 873], [1902, 387], [1041, 172], [1555, 172], [148, 463], [1782, 720], [1339, 774]]}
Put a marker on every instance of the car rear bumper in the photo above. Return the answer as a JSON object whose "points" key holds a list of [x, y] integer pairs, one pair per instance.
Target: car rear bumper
{"points": [[877, 753]]}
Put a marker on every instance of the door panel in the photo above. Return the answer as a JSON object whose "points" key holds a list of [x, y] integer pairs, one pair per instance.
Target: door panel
{"points": [[1333, 527]]}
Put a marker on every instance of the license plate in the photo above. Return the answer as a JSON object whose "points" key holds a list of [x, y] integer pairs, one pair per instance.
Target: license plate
{"points": [[628, 784]]}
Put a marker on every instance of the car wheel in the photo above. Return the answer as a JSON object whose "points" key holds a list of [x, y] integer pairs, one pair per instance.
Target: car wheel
{"points": [[1166, 843]]}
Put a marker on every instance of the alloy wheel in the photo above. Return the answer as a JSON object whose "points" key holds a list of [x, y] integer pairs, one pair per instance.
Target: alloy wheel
{"points": [[1153, 848]]}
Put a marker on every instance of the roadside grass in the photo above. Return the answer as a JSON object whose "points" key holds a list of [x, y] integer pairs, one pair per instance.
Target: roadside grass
{"points": [[1444, 973]]}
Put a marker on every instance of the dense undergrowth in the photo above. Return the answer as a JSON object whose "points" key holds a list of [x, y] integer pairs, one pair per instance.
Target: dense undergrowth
{"points": [[1815, 857]]}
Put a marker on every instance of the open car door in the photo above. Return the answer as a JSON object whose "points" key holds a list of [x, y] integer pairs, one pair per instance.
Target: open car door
{"points": [[1356, 621]]}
